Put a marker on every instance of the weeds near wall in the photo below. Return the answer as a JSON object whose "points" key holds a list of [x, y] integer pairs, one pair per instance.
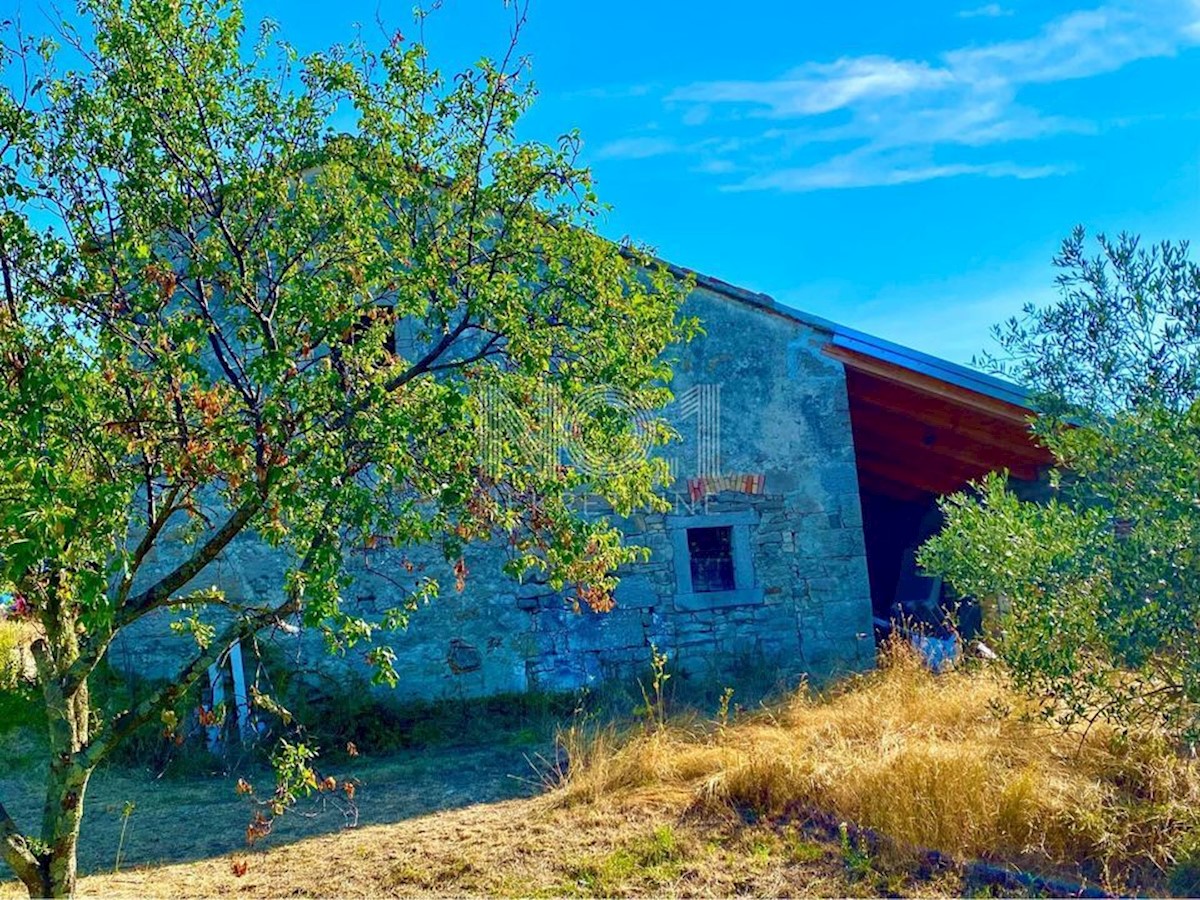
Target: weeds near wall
{"points": [[723, 707], [654, 702]]}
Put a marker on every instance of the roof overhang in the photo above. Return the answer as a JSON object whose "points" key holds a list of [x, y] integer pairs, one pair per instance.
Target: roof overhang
{"points": [[922, 430], [923, 426]]}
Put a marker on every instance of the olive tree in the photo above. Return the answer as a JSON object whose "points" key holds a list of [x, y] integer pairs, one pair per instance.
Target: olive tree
{"points": [[1101, 583], [202, 278]]}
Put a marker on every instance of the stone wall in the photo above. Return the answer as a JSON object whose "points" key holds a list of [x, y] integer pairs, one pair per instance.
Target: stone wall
{"points": [[802, 601]]}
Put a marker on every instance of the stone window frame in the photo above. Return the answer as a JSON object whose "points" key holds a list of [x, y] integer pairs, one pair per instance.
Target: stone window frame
{"points": [[746, 591]]}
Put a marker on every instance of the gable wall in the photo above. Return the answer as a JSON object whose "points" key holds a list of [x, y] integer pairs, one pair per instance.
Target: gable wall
{"points": [[804, 605]]}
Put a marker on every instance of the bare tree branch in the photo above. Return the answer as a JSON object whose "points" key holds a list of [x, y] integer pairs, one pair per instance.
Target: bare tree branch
{"points": [[155, 595]]}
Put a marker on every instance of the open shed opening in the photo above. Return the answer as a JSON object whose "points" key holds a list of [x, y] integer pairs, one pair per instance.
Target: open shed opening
{"points": [[922, 429]]}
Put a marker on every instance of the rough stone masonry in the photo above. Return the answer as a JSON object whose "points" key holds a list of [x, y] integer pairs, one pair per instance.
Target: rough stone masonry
{"points": [[760, 563]]}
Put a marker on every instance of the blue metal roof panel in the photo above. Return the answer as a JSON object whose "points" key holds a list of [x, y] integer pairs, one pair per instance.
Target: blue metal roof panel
{"points": [[933, 366]]}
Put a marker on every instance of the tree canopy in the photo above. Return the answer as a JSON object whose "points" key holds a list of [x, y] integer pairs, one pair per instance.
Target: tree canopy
{"points": [[208, 245], [1101, 583]]}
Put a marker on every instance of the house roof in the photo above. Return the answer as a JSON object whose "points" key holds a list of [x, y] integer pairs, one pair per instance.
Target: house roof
{"points": [[921, 425], [862, 344]]}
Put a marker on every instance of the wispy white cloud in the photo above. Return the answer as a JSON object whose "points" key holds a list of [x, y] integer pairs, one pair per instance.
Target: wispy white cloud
{"points": [[966, 97], [716, 167], [1079, 45], [860, 171], [977, 122], [1193, 30], [988, 10], [818, 87], [636, 148]]}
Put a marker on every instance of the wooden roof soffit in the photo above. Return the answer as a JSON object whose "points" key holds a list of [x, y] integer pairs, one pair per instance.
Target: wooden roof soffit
{"points": [[927, 384]]}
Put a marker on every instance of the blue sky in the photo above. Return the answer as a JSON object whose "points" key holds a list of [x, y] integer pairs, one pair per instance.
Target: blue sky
{"points": [[904, 168]]}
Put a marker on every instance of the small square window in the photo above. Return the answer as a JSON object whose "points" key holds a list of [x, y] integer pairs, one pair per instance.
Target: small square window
{"points": [[714, 560], [710, 551]]}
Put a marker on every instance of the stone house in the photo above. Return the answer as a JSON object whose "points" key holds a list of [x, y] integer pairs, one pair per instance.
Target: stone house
{"points": [[810, 458]]}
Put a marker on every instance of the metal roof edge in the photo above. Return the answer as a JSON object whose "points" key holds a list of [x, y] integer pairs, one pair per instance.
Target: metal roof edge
{"points": [[879, 348], [751, 298], [935, 367]]}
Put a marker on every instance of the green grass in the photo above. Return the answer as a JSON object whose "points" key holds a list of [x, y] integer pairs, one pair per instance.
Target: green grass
{"points": [[653, 860], [800, 850]]}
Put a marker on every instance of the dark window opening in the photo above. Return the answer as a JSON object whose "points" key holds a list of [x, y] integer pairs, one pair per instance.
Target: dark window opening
{"points": [[711, 554]]}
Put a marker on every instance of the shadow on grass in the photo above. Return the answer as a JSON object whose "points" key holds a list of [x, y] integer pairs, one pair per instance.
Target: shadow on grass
{"points": [[184, 817], [415, 759]]}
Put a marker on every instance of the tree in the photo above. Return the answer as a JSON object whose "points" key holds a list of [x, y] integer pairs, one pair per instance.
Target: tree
{"points": [[200, 281], [1102, 582]]}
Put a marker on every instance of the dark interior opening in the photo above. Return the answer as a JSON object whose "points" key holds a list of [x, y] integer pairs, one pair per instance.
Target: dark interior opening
{"points": [[893, 530], [918, 436], [711, 553], [890, 527]]}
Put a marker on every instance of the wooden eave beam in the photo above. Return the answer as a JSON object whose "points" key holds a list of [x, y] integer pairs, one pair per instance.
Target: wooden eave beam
{"points": [[883, 400], [911, 440], [940, 481], [927, 384]]}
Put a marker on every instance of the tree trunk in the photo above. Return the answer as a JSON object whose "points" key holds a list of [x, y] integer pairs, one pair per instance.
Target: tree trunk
{"points": [[47, 868], [57, 868], [68, 715]]}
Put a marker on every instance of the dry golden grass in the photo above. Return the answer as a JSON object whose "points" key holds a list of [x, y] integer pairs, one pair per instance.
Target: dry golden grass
{"points": [[185, 840], [528, 848], [953, 762], [947, 763]]}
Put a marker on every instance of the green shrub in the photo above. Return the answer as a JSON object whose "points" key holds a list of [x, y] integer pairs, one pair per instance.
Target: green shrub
{"points": [[351, 712], [336, 709], [1101, 593]]}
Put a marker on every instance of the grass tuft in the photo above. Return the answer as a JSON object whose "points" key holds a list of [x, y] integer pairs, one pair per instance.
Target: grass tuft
{"points": [[653, 860], [953, 762]]}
